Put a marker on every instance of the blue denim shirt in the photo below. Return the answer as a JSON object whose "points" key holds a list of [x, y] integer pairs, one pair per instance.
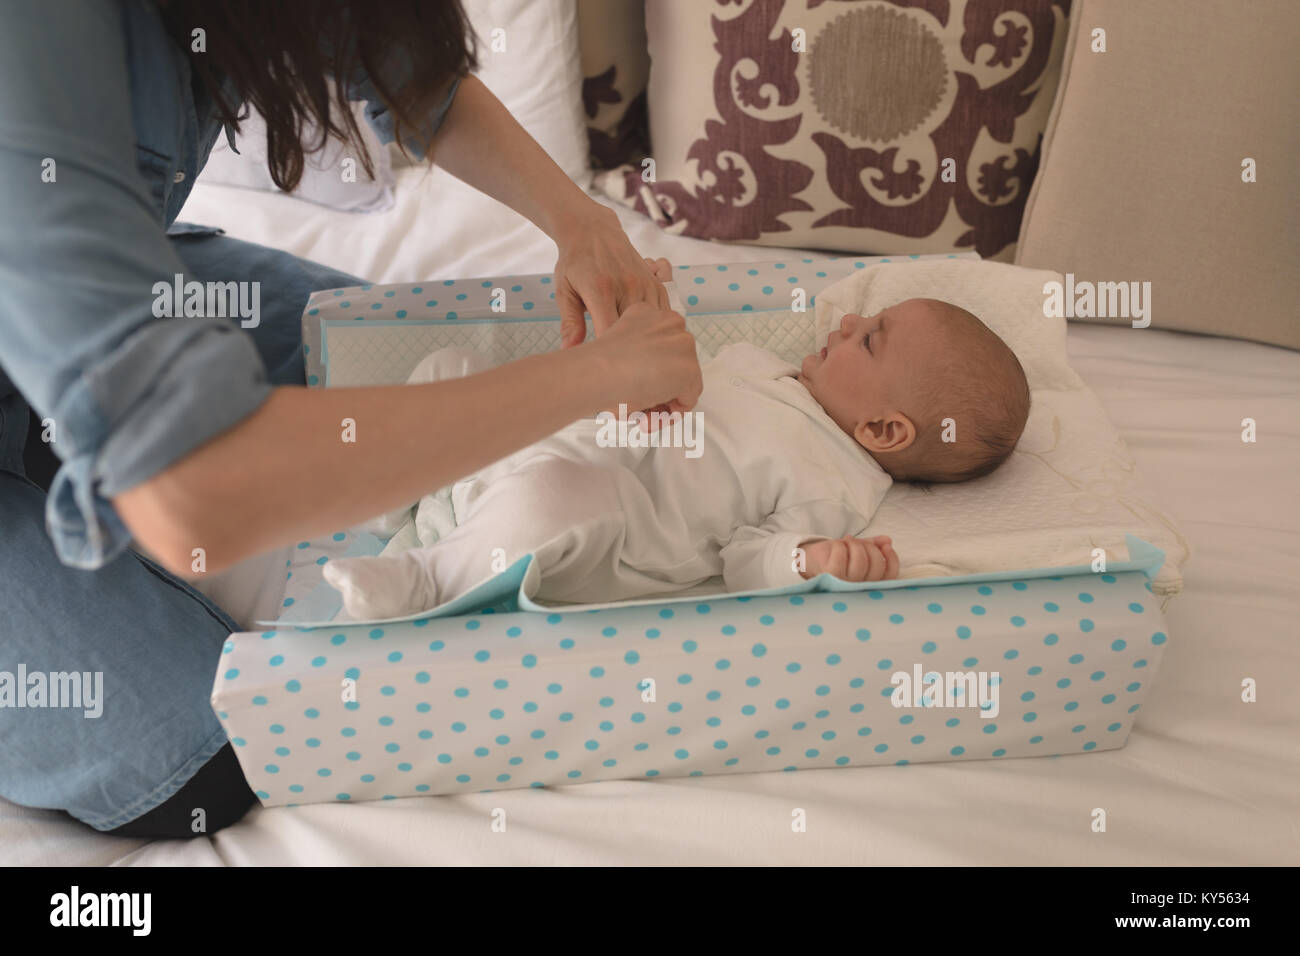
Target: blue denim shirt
{"points": [[100, 88]]}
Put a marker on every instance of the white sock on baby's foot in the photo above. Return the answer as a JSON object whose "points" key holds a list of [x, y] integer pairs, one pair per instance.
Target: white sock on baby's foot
{"points": [[381, 587]]}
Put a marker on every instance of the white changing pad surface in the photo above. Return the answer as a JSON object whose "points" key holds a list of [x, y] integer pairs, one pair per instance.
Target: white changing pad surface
{"points": [[1205, 778], [1069, 493]]}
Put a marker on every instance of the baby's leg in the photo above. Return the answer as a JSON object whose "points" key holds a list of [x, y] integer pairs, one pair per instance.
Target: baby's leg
{"points": [[569, 514]]}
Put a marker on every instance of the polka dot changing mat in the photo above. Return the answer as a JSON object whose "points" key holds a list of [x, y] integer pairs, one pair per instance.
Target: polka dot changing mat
{"points": [[981, 667]]}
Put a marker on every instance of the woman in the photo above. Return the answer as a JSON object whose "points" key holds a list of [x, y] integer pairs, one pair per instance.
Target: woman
{"points": [[194, 433]]}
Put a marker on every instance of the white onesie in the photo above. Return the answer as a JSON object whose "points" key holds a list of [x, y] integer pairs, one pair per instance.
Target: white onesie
{"points": [[770, 471]]}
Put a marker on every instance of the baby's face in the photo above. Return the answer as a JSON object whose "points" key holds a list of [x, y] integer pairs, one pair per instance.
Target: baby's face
{"points": [[865, 373]]}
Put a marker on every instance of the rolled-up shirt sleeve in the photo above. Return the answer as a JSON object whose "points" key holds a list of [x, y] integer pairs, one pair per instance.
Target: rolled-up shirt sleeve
{"points": [[360, 88], [82, 246]]}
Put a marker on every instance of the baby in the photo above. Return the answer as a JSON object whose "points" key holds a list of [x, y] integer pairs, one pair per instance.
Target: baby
{"points": [[792, 466]]}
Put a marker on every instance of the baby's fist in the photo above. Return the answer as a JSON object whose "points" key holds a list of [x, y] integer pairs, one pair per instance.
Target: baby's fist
{"points": [[851, 559]]}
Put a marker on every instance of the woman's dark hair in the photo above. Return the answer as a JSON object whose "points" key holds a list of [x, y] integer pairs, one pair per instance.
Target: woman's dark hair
{"points": [[279, 54]]}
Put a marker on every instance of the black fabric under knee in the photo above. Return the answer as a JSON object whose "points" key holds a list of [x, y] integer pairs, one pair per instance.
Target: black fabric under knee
{"points": [[39, 461], [219, 789]]}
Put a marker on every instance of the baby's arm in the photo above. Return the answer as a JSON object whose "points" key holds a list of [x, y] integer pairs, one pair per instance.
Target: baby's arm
{"points": [[781, 551]]}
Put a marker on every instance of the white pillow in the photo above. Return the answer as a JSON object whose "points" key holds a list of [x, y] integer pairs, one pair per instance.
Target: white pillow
{"points": [[538, 74], [1069, 487], [323, 179]]}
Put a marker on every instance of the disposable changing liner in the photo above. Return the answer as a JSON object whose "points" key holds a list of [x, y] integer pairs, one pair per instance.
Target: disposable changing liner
{"points": [[728, 684]]}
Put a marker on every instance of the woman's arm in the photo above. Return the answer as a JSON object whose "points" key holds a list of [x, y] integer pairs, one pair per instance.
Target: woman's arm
{"points": [[286, 472], [483, 145]]}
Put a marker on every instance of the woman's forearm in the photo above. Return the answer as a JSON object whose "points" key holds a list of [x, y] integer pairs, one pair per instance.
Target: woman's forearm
{"points": [[483, 145], [312, 461]]}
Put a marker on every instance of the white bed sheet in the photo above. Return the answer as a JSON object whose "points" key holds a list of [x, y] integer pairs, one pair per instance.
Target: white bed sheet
{"points": [[1205, 778]]}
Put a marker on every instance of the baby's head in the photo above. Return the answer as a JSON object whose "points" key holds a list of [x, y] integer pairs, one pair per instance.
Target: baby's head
{"points": [[892, 379]]}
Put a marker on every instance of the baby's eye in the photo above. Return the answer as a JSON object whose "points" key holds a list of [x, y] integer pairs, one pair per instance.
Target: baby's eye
{"points": [[866, 341]]}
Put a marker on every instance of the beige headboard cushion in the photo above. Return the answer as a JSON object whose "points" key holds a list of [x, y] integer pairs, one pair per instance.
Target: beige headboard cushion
{"points": [[1144, 158]]}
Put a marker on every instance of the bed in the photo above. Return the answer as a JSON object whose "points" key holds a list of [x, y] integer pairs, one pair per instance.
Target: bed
{"points": [[1206, 778]]}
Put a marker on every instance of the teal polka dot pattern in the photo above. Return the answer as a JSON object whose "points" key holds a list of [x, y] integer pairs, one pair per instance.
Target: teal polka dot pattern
{"points": [[729, 686]]}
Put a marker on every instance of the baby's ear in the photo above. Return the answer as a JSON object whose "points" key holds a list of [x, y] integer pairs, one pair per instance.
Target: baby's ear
{"points": [[892, 433]]}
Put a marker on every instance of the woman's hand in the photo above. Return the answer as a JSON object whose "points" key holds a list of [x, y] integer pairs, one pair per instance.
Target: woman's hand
{"points": [[652, 359], [481, 144], [598, 271]]}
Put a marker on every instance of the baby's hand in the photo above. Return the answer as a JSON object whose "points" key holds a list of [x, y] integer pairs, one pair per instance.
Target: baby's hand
{"points": [[851, 559], [661, 267]]}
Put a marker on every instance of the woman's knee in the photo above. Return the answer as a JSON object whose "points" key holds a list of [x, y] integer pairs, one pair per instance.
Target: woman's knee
{"points": [[115, 669]]}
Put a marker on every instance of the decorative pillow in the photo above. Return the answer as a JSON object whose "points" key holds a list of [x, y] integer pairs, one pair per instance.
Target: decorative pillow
{"points": [[889, 126], [1171, 160], [323, 175], [615, 71]]}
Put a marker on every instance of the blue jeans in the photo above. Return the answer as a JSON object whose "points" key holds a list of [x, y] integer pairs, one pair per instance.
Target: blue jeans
{"points": [[154, 639]]}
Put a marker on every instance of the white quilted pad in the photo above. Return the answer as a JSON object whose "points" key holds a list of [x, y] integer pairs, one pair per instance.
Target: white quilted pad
{"points": [[1071, 484]]}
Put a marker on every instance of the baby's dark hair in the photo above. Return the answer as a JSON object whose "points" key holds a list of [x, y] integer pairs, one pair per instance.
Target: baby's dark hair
{"points": [[979, 388]]}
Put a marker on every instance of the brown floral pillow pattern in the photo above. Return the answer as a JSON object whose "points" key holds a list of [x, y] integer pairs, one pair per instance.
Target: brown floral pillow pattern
{"points": [[875, 126], [615, 69]]}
